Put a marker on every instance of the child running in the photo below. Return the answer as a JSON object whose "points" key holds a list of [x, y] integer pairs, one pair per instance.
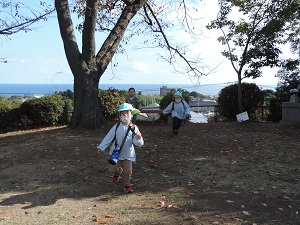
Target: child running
{"points": [[179, 110], [115, 137]]}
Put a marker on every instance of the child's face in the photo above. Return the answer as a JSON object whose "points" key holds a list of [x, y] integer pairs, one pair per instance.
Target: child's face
{"points": [[131, 93], [177, 98], [126, 113], [125, 117]]}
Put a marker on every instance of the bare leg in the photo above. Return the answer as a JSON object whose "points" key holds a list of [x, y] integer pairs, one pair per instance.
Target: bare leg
{"points": [[114, 168], [127, 171]]}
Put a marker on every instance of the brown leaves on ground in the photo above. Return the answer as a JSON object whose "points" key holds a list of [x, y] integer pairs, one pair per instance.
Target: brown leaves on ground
{"points": [[219, 173]]}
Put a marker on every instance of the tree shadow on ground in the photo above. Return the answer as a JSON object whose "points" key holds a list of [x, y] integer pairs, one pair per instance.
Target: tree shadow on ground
{"points": [[224, 171]]}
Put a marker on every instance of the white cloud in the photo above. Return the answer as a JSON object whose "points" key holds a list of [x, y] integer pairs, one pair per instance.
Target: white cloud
{"points": [[141, 67]]}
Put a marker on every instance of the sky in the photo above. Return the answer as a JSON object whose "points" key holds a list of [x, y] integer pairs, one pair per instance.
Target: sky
{"points": [[38, 57]]}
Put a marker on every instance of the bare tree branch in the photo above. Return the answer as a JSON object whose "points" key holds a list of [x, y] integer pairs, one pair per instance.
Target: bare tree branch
{"points": [[18, 22], [173, 51]]}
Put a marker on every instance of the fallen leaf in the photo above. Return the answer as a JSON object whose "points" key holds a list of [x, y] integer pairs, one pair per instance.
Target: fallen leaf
{"points": [[109, 216], [103, 222], [162, 203], [215, 222], [97, 219], [256, 192], [169, 206], [190, 183], [6, 217], [285, 197], [87, 177], [264, 204], [221, 216], [26, 212], [237, 219], [25, 202], [229, 201], [247, 213], [194, 217], [176, 207]]}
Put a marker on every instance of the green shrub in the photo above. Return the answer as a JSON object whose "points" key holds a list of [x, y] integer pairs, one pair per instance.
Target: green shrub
{"points": [[68, 94], [275, 114], [149, 99], [43, 111], [10, 119], [252, 99], [110, 101], [7, 104], [66, 116]]}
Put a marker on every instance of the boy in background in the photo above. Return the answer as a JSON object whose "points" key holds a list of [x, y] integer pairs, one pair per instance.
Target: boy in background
{"points": [[179, 110], [134, 101]]}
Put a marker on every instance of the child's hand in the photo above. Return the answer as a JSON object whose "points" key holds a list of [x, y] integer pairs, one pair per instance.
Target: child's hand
{"points": [[138, 136], [132, 126], [98, 150]]}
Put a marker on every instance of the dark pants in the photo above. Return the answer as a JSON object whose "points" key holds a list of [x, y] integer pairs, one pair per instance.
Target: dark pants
{"points": [[176, 123]]}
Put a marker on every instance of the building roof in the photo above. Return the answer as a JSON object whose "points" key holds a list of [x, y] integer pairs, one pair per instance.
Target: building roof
{"points": [[203, 103]]}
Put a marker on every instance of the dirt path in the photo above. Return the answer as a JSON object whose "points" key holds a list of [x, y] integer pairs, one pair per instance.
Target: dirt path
{"points": [[218, 173]]}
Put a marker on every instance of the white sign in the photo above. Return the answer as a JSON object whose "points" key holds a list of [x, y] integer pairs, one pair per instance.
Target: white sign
{"points": [[242, 117]]}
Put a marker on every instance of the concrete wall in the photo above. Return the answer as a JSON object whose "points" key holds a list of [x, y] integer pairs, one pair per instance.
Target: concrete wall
{"points": [[290, 114]]}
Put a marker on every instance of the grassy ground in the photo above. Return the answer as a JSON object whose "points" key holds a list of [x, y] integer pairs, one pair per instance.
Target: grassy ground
{"points": [[218, 173]]}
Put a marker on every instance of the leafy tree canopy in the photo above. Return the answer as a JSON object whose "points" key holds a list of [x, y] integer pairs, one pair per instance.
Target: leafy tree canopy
{"points": [[253, 31]]}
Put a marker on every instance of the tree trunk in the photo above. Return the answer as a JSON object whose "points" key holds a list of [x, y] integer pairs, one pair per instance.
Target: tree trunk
{"points": [[240, 97], [87, 113], [87, 67]]}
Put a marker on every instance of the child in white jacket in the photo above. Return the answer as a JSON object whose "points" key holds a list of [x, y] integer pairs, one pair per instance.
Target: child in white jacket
{"points": [[115, 137]]}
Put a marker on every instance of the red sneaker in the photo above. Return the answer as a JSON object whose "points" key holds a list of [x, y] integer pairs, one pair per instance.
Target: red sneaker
{"points": [[127, 188], [116, 176]]}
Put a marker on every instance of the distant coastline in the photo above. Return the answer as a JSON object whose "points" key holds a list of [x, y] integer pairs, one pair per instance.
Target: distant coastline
{"points": [[9, 90]]}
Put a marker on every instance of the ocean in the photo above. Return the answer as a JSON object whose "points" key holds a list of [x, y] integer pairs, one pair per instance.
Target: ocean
{"points": [[9, 90]]}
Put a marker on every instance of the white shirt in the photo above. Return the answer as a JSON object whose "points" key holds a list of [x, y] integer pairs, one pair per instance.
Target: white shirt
{"points": [[128, 151], [179, 111]]}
